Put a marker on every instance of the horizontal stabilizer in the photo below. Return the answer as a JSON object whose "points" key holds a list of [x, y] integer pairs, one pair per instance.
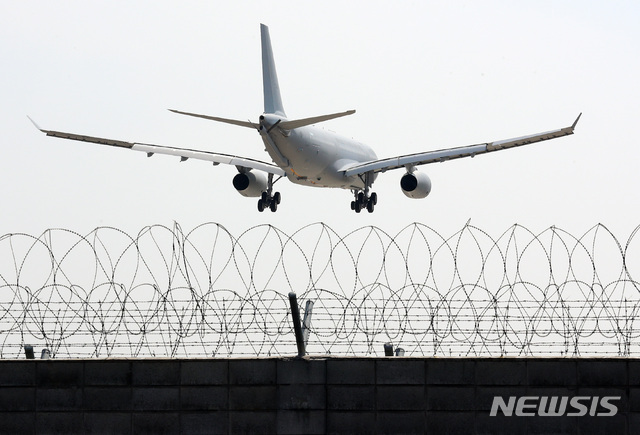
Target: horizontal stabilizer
{"points": [[213, 118], [290, 125]]}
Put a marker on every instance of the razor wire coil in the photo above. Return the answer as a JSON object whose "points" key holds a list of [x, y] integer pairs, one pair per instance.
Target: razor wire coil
{"points": [[208, 293]]}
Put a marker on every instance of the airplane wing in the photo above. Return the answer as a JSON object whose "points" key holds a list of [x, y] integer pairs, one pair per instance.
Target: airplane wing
{"points": [[408, 160], [183, 153]]}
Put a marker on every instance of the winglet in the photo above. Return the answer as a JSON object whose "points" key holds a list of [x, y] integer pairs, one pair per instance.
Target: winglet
{"points": [[576, 121], [34, 123]]}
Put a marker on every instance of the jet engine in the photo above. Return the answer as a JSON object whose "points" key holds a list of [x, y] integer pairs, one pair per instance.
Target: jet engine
{"points": [[415, 184], [250, 184]]}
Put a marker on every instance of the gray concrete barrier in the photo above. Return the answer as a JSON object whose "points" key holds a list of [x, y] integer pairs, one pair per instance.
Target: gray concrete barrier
{"points": [[320, 395]]}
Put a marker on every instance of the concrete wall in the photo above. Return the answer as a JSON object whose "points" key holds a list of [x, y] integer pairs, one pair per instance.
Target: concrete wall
{"points": [[345, 395]]}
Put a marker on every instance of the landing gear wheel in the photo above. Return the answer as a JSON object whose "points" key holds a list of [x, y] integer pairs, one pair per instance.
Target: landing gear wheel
{"points": [[363, 200], [268, 201], [370, 205]]}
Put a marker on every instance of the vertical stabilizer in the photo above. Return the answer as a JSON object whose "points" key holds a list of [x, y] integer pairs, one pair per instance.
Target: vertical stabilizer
{"points": [[272, 100]]}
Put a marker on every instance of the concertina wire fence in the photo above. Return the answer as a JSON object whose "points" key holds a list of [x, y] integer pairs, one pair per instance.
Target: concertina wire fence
{"points": [[207, 293]]}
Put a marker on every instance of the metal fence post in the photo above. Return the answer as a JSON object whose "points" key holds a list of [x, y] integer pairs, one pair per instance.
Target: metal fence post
{"points": [[297, 328], [306, 322], [28, 351], [388, 349]]}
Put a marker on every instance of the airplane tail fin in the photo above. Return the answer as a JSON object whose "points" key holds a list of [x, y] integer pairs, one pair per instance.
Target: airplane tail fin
{"points": [[272, 99]]}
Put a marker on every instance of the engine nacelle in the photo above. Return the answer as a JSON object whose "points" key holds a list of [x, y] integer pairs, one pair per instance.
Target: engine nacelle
{"points": [[250, 184], [415, 185]]}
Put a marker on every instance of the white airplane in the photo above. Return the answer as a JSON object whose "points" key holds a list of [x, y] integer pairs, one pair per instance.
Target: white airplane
{"points": [[312, 156]]}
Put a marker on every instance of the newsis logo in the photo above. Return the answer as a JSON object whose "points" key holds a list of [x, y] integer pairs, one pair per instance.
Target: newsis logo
{"points": [[555, 406]]}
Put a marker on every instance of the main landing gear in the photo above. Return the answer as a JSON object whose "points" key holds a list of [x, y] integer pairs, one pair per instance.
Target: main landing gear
{"points": [[363, 201], [269, 200], [362, 198]]}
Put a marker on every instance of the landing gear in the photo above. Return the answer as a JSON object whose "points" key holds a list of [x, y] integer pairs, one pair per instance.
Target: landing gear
{"points": [[363, 201], [267, 200]]}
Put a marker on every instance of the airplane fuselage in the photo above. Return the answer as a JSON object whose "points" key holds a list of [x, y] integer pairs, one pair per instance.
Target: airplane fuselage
{"points": [[314, 156]]}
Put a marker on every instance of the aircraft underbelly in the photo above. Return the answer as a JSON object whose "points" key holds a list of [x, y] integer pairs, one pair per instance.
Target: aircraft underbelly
{"points": [[313, 158], [313, 167]]}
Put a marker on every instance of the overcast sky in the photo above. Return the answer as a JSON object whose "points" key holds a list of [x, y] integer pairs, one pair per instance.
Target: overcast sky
{"points": [[422, 75]]}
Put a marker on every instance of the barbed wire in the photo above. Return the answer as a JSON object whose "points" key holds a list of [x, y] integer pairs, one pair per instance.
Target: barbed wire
{"points": [[166, 293]]}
